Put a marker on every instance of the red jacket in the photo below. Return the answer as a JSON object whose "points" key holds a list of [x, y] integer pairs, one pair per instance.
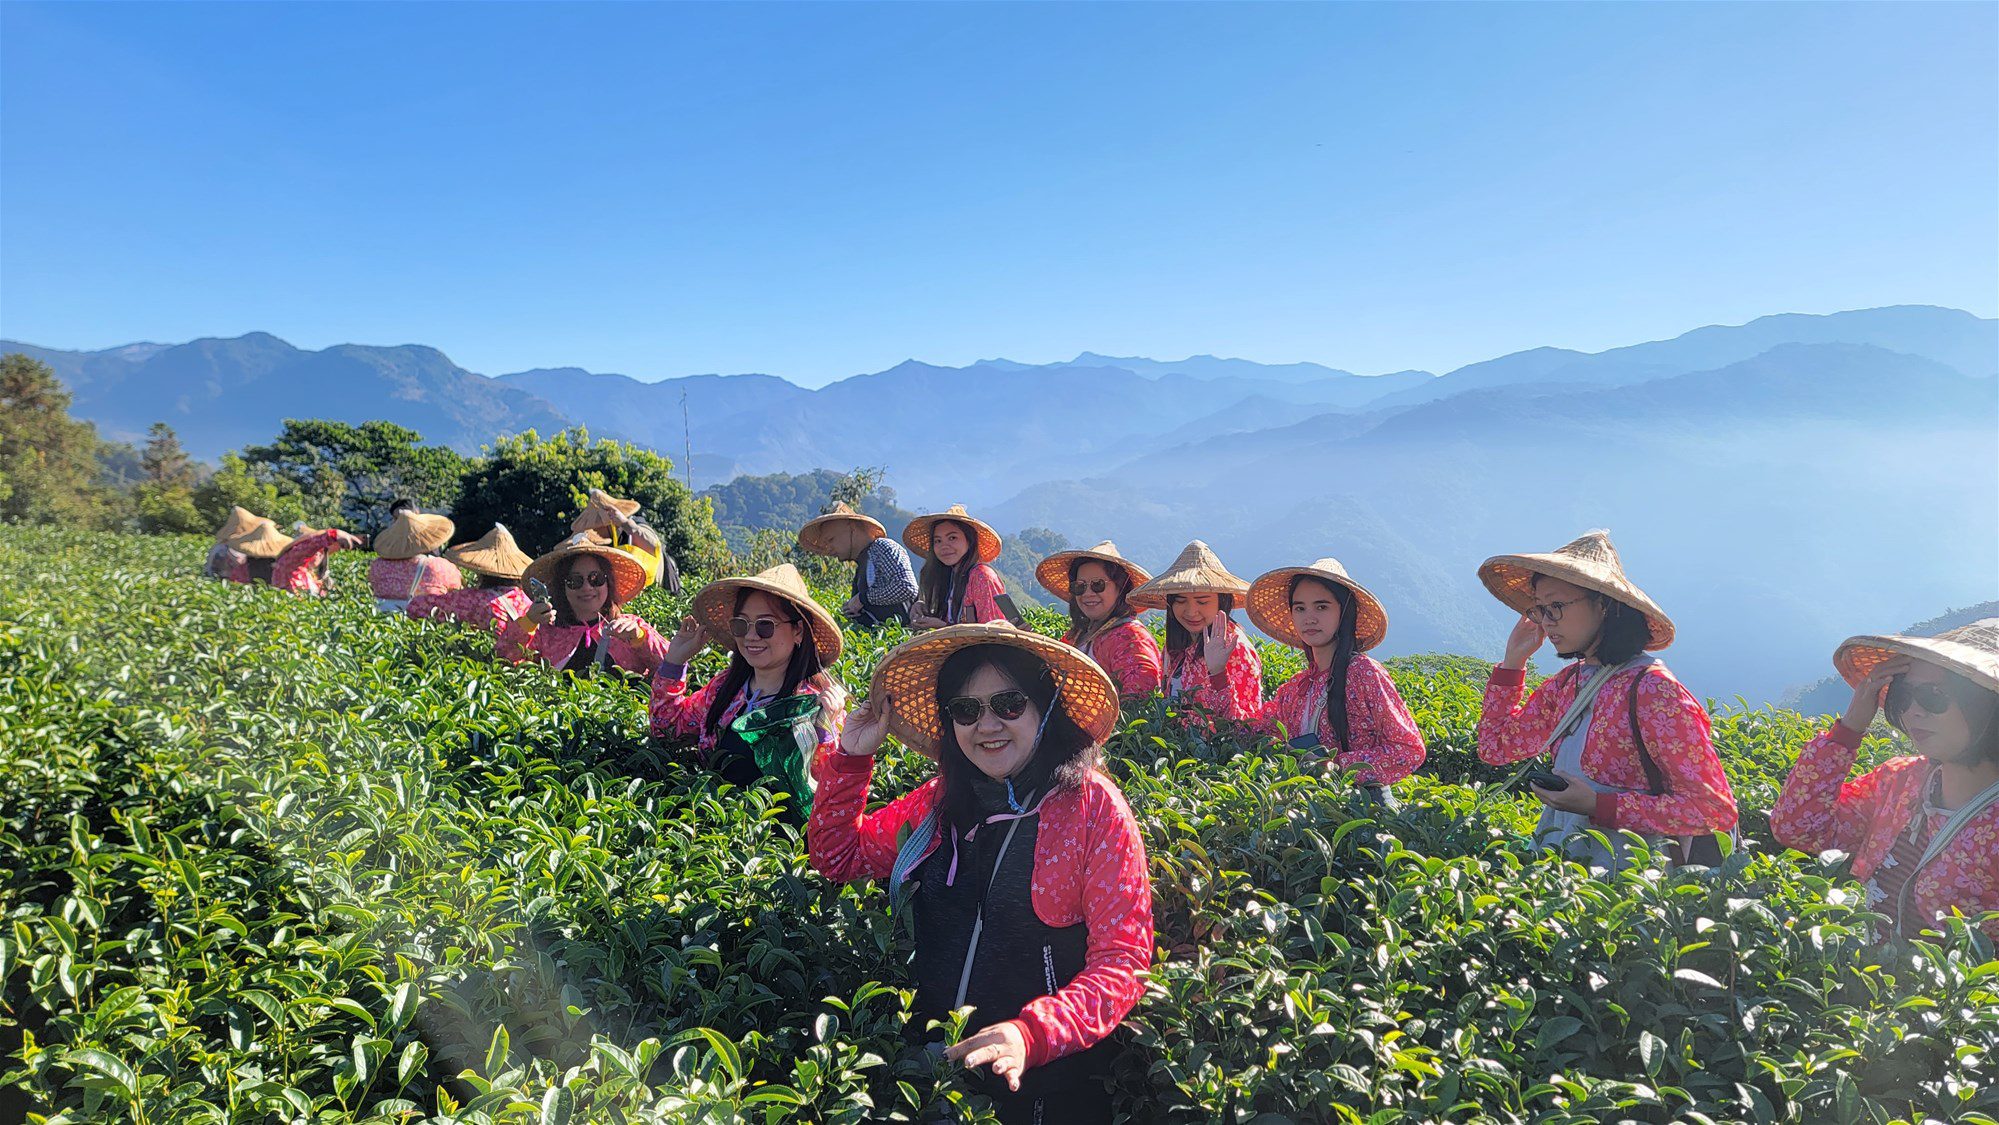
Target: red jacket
{"points": [[1697, 797], [1089, 867], [1386, 748], [1129, 653], [1820, 810]]}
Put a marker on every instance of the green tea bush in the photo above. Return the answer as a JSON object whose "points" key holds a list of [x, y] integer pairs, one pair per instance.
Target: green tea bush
{"points": [[275, 860]]}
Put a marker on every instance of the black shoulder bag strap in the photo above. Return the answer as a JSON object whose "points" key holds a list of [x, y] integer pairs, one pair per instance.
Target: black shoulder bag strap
{"points": [[1699, 848]]}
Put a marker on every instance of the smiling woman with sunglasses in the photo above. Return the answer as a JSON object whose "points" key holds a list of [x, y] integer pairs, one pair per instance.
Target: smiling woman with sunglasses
{"points": [[1020, 860], [1097, 584], [580, 627], [1923, 829], [759, 721]]}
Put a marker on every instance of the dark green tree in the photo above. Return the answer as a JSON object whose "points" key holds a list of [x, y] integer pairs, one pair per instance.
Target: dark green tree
{"points": [[235, 482], [163, 500], [48, 460], [348, 475], [537, 485]]}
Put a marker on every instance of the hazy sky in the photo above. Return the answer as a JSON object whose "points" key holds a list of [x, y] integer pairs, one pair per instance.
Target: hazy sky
{"points": [[819, 190]]}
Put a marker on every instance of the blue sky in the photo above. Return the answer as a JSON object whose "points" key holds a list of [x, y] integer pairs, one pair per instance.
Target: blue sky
{"points": [[819, 190]]}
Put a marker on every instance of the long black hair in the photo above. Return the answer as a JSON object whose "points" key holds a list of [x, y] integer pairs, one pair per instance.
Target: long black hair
{"points": [[1080, 626], [1063, 758], [940, 587], [496, 581], [804, 664], [1177, 636], [1343, 654], [560, 595]]}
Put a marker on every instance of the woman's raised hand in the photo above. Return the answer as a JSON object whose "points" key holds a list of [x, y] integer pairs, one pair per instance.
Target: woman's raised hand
{"points": [[1869, 693], [1523, 642], [686, 643], [1215, 646], [866, 726]]}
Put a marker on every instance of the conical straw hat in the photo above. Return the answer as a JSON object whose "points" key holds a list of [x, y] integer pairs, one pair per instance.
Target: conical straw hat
{"points": [[240, 520], [916, 536], [1053, 571], [1589, 562], [1971, 651], [1270, 604], [602, 510], [838, 532], [413, 533], [909, 676], [264, 541], [716, 604], [628, 578], [1196, 571], [494, 553]]}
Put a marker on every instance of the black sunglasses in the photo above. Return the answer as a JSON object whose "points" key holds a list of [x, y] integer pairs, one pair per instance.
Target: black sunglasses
{"points": [[1930, 697], [595, 577], [1094, 586], [1008, 705], [763, 627]]}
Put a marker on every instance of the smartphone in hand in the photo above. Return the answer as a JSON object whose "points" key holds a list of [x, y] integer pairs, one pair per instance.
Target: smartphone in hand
{"points": [[1552, 782], [1008, 610]]}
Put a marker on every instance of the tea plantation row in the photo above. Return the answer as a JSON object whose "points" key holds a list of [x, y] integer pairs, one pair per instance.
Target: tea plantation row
{"points": [[273, 860]]}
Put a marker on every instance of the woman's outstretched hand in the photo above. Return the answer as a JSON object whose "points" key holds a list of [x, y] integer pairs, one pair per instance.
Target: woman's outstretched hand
{"points": [[1001, 1046]]}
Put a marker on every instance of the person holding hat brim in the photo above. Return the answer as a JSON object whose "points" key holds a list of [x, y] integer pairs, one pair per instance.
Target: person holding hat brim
{"points": [[1208, 659], [1923, 829], [958, 585], [615, 522], [404, 565], [1343, 703], [1632, 743], [780, 643], [582, 627], [1097, 585], [496, 600], [1020, 860], [222, 558], [884, 576], [300, 568], [259, 548]]}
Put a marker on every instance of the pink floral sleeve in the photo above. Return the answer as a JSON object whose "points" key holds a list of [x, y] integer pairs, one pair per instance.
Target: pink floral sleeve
{"points": [[1117, 914], [1387, 747], [1284, 712], [982, 590], [645, 656], [845, 841], [294, 569], [1131, 656], [516, 643], [1677, 734], [1510, 731], [677, 712], [1818, 809]]}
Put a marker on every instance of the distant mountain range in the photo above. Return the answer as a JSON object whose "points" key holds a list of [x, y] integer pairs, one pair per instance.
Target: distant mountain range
{"points": [[1777, 485]]}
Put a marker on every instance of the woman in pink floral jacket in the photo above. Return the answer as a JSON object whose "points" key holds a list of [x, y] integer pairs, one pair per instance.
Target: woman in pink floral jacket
{"points": [[1209, 662], [1923, 829], [1630, 744], [1343, 705], [1097, 586]]}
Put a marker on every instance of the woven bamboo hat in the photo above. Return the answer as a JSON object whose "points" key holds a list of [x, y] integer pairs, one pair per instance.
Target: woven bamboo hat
{"points": [[627, 576], [916, 536], [240, 521], [1196, 571], [413, 533], [716, 604], [1270, 603], [1590, 562], [494, 553], [839, 532], [602, 510], [264, 541], [909, 675], [1971, 651], [1053, 571]]}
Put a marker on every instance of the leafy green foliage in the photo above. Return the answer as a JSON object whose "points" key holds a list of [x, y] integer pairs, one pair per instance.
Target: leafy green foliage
{"points": [[536, 486], [348, 475], [264, 859], [48, 464]]}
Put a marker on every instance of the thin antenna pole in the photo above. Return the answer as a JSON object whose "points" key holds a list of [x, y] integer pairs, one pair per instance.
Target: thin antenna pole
{"points": [[687, 442]]}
